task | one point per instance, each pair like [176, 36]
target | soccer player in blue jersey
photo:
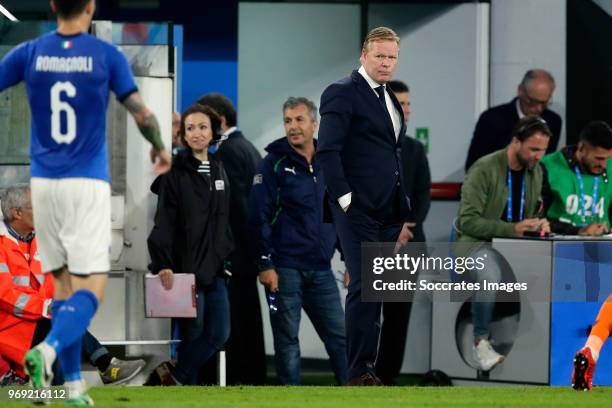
[68, 75]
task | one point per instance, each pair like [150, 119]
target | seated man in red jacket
[26, 295]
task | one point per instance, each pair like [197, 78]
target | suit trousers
[396, 316]
[362, 319]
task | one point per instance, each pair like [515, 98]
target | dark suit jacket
[357, 149]
[494, 131]
[417, 178]
[240, 160]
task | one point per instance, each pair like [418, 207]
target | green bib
[566, 205]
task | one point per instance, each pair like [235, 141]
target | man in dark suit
[360, 136]
[246, 362]
[417, 182]
[494, 128]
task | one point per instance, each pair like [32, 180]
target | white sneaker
[485, 356]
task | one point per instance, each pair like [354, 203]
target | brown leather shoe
[365, 380]
[163, 370]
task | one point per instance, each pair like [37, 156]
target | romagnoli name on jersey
[64, 64]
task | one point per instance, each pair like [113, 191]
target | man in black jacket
[417, 180]
[246, 359]
[494, 127]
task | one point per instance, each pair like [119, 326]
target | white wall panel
[444, 60]
[528, 34]
[284, 50]
[290, 50]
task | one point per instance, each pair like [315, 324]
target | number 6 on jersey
[57, 107]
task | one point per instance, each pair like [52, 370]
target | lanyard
[509, 212]
[595, 195]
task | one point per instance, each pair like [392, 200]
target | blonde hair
[380, 34]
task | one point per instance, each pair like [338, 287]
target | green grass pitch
[338, 397]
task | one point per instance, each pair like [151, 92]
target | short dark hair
[528, 126]
[398, 86]
[293, 102]
[215, 121]
[222, 105]
[597, 133]
[69, 8]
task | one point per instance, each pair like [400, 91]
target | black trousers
[396, 317]
[362, 319]
[246, 354]
[245, 351]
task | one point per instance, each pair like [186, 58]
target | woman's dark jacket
[192, 232]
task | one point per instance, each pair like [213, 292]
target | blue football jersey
[68, 79]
